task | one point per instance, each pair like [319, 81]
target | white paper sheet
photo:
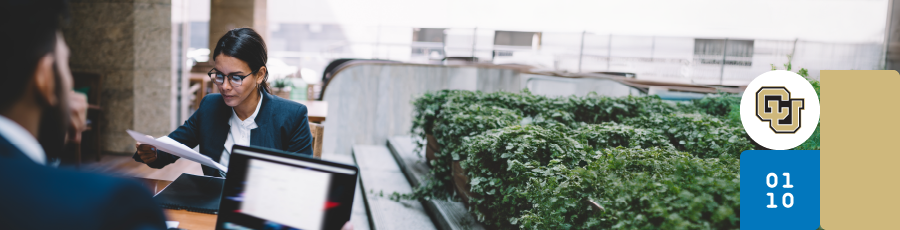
[171, 146]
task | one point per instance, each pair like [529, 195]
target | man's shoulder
[71, 198]
[81, 187]
[107, 186]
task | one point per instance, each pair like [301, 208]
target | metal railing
[648, 57]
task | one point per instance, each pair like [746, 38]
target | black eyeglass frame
[213, 73]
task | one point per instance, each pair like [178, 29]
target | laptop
[272, 189]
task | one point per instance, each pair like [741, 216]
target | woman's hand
[146, 152]
[78, 107]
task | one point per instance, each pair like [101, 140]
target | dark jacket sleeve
[186, 134]
[129, 205]
[300, 138]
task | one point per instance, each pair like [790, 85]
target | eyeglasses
[219, 78]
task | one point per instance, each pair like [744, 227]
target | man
[34, 113]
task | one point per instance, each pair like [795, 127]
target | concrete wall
[561, 87]
[229, 14]
[371, 102]
[892, 36]
[368, 103]
[128, 42]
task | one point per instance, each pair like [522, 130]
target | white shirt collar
[250, 122]
[22, 139]
[239, 132]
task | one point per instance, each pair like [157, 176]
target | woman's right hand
[146, 152]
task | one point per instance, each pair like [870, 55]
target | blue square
[790, 203]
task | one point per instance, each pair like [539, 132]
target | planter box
[431, 147]
[461, 183]
[460, 179]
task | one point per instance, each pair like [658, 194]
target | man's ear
[45, 81]
[262, 75]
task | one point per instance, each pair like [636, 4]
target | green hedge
[653, 188]
[534, 161]
[700, 134]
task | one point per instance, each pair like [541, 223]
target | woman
[242, 113]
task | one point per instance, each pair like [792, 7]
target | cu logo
[775, 105]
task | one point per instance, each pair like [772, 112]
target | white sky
[819, 20]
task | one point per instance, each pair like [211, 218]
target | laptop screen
[270, 190]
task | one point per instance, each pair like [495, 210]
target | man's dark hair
[29, 33]
[245, 44]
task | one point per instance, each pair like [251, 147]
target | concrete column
[229, 14]
[892, 37]
[128, 42]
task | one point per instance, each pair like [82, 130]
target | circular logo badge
[780, 110]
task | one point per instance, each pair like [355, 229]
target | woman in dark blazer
[242, 113]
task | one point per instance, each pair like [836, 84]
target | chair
[317, 132]
[91, 141]
[203, 86]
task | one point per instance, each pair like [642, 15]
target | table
[316, 110]
[187, 219]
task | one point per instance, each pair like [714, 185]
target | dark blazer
[282, 124]
[40, 197]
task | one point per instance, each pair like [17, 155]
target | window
[513, 38]
[428, 43]
[712, 51]
[428, 35]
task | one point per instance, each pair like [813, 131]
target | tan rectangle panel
[860, 162]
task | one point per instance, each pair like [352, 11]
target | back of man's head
[29, 30]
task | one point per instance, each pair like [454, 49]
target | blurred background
[358, 63]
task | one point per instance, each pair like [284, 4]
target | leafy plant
[702, 135]
[461, 120]
[502, 161]
[534, 161]
[282, 83]
[652, 188]
[718, 104]
[813, 142]
[611, 134]
[597, 109]
[453, 115]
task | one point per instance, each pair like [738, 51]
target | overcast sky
[814, 20]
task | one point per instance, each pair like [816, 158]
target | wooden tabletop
[317, 110]
[187, 219]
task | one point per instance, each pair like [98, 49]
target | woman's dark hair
[245, 44]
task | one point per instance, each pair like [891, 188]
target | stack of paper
[171, 146]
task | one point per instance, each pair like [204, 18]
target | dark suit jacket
[40, 197]
[282, 124]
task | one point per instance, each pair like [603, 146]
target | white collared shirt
[22, 139]
[239, 133]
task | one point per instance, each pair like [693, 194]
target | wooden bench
[379, 178]
[447, 215]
